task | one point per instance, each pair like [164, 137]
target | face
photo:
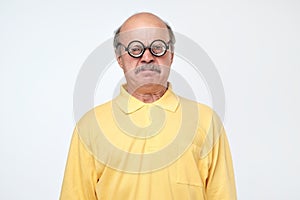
[153, 66]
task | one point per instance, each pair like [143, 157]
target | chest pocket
[187, 169]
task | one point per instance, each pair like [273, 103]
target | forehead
[145, 35]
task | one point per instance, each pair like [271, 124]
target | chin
[152, 84]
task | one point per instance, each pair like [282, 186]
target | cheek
[128, 63]
[167, 61]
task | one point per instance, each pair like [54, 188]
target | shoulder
[89, 126]
[202, 109]
[92, 116]
[209, 124]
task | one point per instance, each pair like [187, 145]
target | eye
[158, 47]
[135, 48]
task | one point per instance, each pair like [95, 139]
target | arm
[215, 164]
[80, 174]
[220, 183]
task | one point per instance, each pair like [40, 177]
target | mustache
[149, 67]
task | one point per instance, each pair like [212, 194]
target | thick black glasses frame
[144, 48]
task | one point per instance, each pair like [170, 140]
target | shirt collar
[129, 104]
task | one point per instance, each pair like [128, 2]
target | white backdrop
[254, 44]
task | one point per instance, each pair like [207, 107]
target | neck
[148, 93]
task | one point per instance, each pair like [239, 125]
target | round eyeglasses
[136, 48]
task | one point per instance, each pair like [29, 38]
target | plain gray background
[255, 47]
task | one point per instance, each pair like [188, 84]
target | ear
[172, 56]
[120, 62]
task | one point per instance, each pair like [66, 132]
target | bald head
[142, 20]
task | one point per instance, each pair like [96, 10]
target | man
[148, 143]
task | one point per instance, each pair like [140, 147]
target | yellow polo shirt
[173, 148]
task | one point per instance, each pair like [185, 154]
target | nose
[147, 57]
